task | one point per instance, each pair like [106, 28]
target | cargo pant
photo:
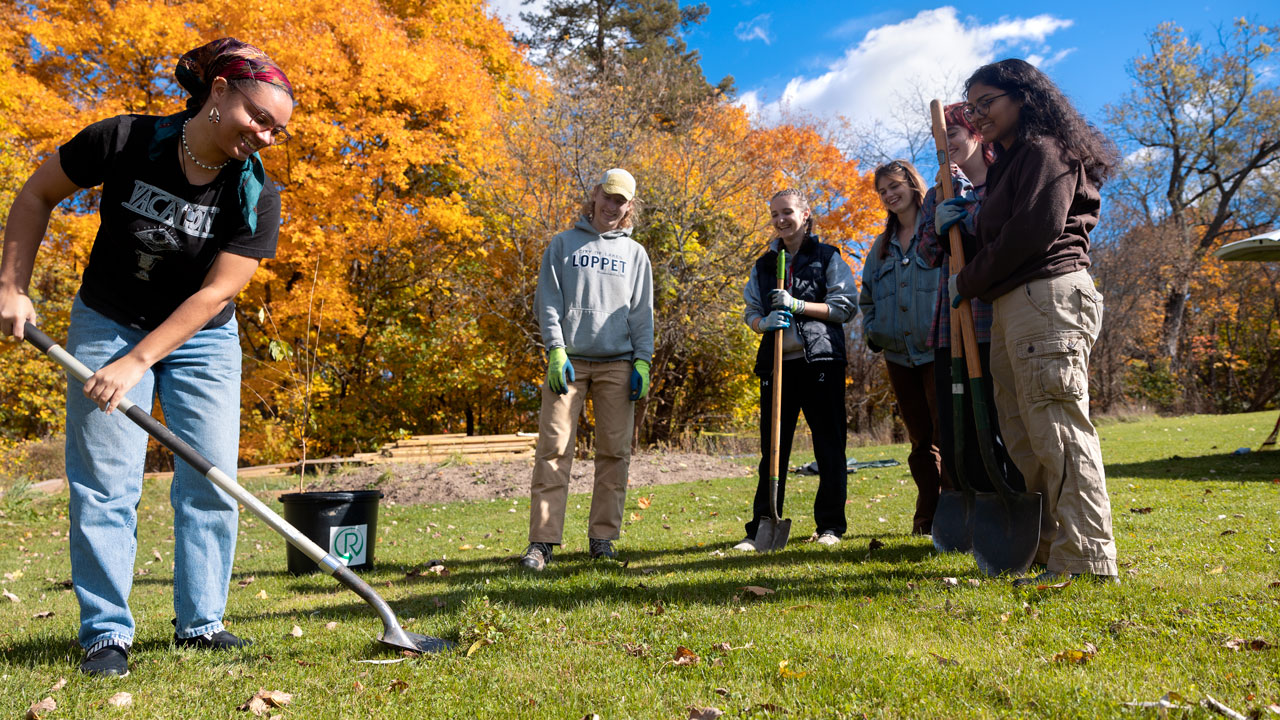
[609, 385]
[1041, 338]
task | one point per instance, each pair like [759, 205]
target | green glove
[559, 371]
[639, 379]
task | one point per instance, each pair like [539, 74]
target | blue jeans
[199, 390]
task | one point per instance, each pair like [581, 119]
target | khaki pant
[1041, 337]
[609, 384]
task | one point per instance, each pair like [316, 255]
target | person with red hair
[970, 156]
[187, 214]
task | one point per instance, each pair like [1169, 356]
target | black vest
[822, 340]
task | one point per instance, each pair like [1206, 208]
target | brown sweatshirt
[1035, 221]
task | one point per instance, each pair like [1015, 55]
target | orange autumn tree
[350, 333]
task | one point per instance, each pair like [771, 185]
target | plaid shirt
[934, 252]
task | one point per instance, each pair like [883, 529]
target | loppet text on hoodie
[595, 295]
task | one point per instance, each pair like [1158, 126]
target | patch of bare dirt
[423, 483]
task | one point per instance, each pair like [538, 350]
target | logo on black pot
[348, 543]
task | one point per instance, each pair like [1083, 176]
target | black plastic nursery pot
[344, 523]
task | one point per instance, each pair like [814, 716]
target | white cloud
[508, 11]
[757, 28]
[924, 56]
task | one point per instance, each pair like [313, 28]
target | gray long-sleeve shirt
[595, 295]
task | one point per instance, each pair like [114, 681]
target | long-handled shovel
[953, 519]
[392, 633]
[772, 530]
[1006, 523]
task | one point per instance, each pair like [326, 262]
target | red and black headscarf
[228, 58]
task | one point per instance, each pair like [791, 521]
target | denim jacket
[897, 301]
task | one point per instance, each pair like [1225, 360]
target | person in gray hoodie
[595, 312]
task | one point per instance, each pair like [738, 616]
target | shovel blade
[772, 534]
[953, 522]
[1006, 531]
[398, 637]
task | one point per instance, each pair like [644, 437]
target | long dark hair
[1046, 112]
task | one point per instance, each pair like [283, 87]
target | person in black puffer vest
[811, 312]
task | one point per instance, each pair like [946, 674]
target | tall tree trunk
[1175, 309]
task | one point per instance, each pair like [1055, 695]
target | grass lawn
[845, 632]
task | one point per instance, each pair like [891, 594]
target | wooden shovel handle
[775, 416]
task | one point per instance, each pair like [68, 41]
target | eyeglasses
[262, 119]
[973, 111]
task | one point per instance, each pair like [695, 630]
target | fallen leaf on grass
[1224, 533]
[475, 646]
[247, 581]
[726, 647]
[1055, 586]
[786, 672]
[874, 545]
[707, 713]
[120, 699]
[62, 682]
[1077, 657]
[1141, 510]
[1242, 644]
[944, 660]
[1216, 571]
[757, 590]
[38, 710]
[684, 656]
[644, 501]
[330, 625]
[11, 576]
[156, 554]
[11, 597]
[464, 547]
[296, 631]
[264, 700]
[262, 595]
[398, 685]
[722, 692]
[950, 582]
[43, 614]
[637, 650]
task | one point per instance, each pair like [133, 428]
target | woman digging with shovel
[187, 213]
[1033, 235]
[805, 309]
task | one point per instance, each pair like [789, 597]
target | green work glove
[559, 371]
[639, 379]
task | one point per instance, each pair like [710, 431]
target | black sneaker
[109, 660]
[536, 556]
[601, 549]
[221, 640]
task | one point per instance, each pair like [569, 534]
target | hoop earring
[215, 117]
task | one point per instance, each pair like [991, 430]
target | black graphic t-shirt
[160, 234]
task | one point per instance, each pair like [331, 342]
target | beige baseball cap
[618, 182]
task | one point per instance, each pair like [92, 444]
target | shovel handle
[775, 414]
[182, 449]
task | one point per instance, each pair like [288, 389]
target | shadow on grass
[1219, 467]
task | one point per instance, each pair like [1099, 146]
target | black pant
[818, 390]
[975, 472]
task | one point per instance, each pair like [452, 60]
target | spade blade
[953, 522]
[1006, 531]
[772, 534]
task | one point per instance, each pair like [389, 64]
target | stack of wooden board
[433, 448]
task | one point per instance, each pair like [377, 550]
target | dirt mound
[423, 483]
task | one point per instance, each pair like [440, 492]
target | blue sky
[858, 60]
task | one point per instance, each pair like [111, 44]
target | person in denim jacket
[899, 289]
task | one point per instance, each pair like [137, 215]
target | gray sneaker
[536, 556]
[601, 549]
[106, 661]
